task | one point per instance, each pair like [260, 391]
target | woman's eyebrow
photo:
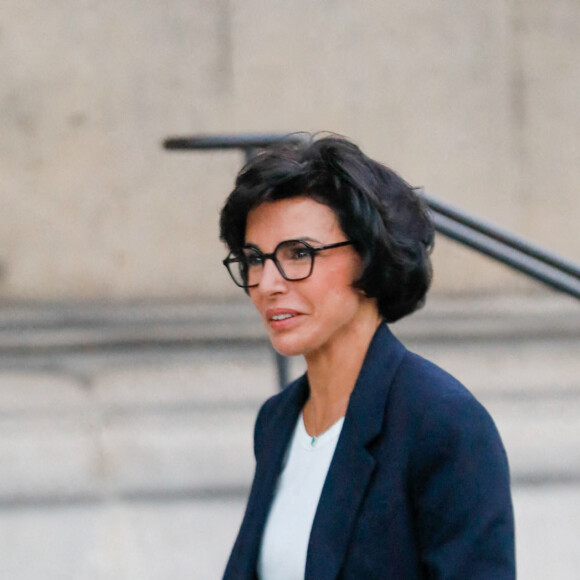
[309, 239]
[252, 246]
[297, 238]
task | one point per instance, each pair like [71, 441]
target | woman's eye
[254, 259]
[299, 253]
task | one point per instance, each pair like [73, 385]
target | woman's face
[314, 315]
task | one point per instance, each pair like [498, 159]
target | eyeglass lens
[293, 259]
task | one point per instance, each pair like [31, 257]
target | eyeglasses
[293, 258]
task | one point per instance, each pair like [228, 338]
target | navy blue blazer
[418, 487]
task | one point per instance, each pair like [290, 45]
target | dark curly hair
[387, 222]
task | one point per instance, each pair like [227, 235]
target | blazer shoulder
[429, 387]
[438, 405]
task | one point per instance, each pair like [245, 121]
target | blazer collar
[352, 464]
[368, 400]
[366, 407]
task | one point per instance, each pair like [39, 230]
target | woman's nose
[272, 281]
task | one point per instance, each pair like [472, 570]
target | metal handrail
[245, 141]
[494, 232]
[488, 239]
[526, 263]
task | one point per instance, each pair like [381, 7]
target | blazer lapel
[352, 464]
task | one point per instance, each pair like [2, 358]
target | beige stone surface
[475, 101]
[548, 525]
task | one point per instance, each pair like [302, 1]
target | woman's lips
[280, 318]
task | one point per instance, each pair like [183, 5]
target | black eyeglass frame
[234, 257]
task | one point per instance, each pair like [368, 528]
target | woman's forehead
[293, 218]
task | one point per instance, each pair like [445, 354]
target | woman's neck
[332, 375]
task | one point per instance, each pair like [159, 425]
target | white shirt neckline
[285, 539]
[309, 442]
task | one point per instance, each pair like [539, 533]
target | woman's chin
[287, 351]
[286, 347]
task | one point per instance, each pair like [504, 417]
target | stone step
[137, 425]
[71, 459]
[185, 538]
[28, 329]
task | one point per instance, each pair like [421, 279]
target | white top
[287, 531]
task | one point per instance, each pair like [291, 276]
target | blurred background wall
[128, 386]
[478, 102]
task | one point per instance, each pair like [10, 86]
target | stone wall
[476, 101]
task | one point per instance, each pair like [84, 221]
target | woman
[375, 463]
